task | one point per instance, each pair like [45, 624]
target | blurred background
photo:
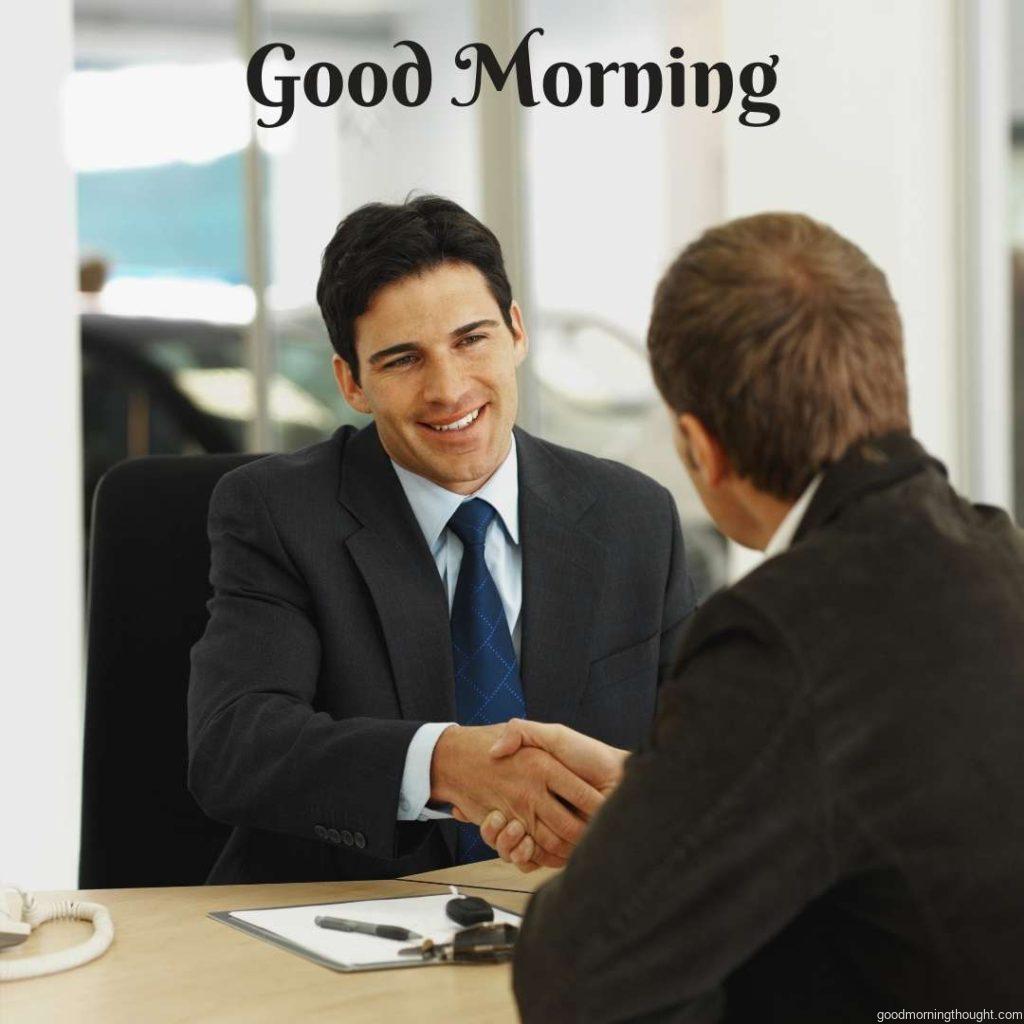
[162, 254]
[199, 240]
[199, 243]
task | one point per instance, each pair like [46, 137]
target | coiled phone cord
[36, 913]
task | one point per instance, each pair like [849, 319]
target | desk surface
[169, 962]
[489, 874]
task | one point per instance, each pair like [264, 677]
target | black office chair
[148, 588]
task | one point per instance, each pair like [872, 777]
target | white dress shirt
[433, 506]
[786, 530]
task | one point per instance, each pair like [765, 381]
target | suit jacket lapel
[562, 570]
[392, 555]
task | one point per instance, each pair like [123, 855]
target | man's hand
[595, 762]
[527, 785]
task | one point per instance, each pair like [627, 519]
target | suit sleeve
[680, 598]
[716, 838]
[260, 755]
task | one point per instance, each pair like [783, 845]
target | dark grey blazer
[329, 644]
[830, 821]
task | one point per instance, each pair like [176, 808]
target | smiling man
[384, 600]
[443, 394]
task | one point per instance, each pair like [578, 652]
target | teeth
[461, 424]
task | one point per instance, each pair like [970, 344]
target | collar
[867, 466]
[433, 505]
[786, 530]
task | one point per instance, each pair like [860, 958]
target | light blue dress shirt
[433, 506]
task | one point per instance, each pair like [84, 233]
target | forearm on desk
[271, 764]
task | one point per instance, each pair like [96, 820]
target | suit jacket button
[332, 834]
[360, 840]
[321, 832]
[346, 837]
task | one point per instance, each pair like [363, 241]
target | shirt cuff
[415, 791]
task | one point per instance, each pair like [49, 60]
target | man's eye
[471, 339]
[400, 361]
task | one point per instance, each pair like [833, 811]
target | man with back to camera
[829, 822]
[436, 567]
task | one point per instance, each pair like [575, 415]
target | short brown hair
[783, 339]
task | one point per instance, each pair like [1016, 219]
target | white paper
[422, 914]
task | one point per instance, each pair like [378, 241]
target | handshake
[530, 786]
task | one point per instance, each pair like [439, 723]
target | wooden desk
[489, 874]
[169, 962]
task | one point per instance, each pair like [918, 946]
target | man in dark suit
[385, 599]
[828, 824]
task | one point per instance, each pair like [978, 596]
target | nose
[444, 384]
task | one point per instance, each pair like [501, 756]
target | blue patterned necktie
[487, 685]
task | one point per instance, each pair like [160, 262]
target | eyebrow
[411, 346]
[392, 350]
[475, 325]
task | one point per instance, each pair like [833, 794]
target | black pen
[382, 931]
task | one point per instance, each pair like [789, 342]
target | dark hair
[383, 242]
[782, 338]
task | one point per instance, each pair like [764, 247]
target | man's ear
[349, 386]
[520, 340]
[702, 451]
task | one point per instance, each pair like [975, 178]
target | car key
[425, 950]
[467, 911]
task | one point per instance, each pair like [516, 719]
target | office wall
[867, 142]
[40, 514]
[1015, 12]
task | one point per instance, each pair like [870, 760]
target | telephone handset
[21, 913]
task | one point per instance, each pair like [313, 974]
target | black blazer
[329, 644]
[830, 820]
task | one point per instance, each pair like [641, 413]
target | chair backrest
[147, 594]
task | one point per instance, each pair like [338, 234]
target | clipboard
[291, 928]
